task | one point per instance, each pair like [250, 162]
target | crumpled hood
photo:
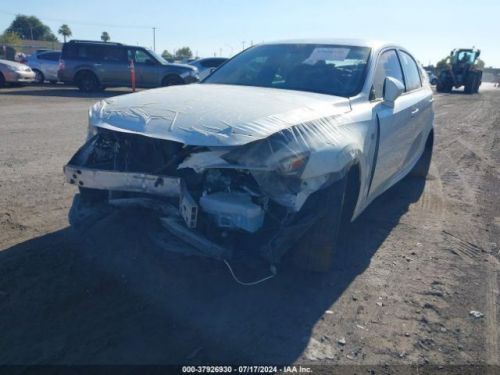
[213, 115]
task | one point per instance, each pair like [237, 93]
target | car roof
[374, 44]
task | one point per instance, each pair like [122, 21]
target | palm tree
[105, 36]
[65, 31]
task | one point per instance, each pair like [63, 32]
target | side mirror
[393, 88]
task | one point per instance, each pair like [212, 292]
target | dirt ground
[401, 292]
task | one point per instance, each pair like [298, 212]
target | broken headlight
[293, 165]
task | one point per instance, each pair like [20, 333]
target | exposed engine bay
[216, 200]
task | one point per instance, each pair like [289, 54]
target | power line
[73, 22]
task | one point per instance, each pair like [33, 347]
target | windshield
[158, 57]
[326, 69]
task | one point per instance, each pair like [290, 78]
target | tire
[478, 83]
[172, 80]
[87, 81]
[421, 168]
[315, 251]
[88, 208]
[53, 82]
[443, 87]
[39, 77]
[2, 80]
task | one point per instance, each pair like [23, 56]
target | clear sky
[430, 29]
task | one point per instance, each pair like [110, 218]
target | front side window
[321, 68]
[411, 71]
[140, 57]
[387, 66]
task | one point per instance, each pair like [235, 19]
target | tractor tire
[87, 81]
[443, 87]
[315, 251]
[478, 83]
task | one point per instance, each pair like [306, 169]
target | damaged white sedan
[273, 151]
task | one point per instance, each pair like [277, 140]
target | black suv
[93, 66]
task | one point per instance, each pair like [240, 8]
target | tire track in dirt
[463, 153]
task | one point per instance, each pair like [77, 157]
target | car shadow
[119, 300]
[61, 91]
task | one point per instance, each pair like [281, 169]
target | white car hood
[213, 115]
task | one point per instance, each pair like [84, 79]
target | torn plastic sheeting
[318, 143]
[214, 115]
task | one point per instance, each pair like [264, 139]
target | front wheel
[315, 251]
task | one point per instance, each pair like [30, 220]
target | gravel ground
[423, 256]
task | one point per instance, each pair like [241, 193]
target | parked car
[274, 151]
[432, 77]
[45, 65]
[95, 65]
[15, 73]
[206, 65]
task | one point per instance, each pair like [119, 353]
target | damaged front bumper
[214, 202]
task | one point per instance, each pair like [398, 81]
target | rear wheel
[421, 169]
[39, 77]
[315, 251]
[172, 80]
[2, 80]
[87, 81]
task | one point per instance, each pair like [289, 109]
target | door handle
[414, 112]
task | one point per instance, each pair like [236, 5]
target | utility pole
[154, 39]
[243, 45]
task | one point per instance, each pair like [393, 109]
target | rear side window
[387, 66]
[411, 71]
[51, 56]
[114, 54]
[83, 52]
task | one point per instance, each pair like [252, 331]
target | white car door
[421, 113]
[394, 124]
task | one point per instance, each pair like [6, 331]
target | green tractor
[461, 70]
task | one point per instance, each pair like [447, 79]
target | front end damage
[222, 181]
[217, 201]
